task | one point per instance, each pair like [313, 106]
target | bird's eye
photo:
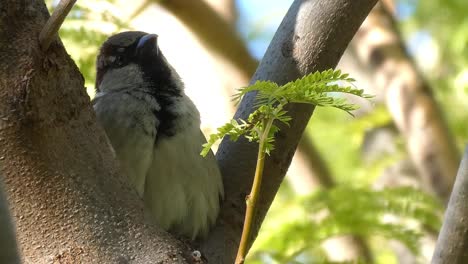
[111, 59]
[114, 60]
[118, 60]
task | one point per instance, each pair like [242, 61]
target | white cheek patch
[124, 77]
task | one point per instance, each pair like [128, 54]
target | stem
[252, 198]
[52, 25]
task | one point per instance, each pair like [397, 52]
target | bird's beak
[148, 45]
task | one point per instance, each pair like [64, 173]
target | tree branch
[452, 244]
[224, 31]
[316, 165]
[53, 24]
[214, 31]
[312, 36]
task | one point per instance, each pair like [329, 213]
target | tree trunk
[409, 100]
[68, 201]
[312, 37]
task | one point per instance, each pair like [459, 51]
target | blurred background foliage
[436, 35]
[296, 228]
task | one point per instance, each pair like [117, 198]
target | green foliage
[400, 213]
[233, 129]
[310, 89]
[270, 101]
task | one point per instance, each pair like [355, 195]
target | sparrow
[154, 129]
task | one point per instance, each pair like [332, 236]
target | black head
[133, 58]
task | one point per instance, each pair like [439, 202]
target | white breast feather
[183, 188]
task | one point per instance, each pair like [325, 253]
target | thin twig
[252, 199]
[250, 210]
[54, 23]
[213, 31]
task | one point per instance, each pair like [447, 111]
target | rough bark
[69, 202]
[312, 36]
[452, 244]
[8, 248]
[409, 100]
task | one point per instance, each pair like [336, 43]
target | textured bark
[312, 36]
[68, 201]
[8, 248]
[452, 244]
[409, 100]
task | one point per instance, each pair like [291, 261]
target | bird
[154, 130]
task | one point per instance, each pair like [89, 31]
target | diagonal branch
[219, 30]
[214, 31]
[54, 23]
[452, 244]
[312, 36]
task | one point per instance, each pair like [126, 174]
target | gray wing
[130, 126]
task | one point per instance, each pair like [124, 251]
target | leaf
[317, 88]
[233, 129]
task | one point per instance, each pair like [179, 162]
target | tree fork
[312, 37]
